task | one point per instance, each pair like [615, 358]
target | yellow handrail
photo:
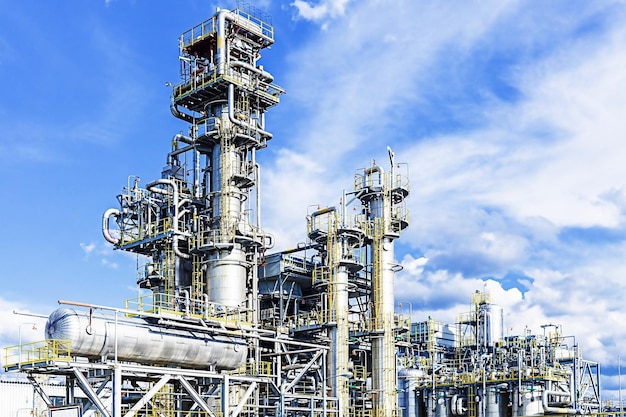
[43, 352]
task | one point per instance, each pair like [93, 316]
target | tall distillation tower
[199, 234]
[357, 276]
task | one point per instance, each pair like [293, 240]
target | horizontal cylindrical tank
[93, 335]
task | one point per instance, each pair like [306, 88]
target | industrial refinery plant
[224, 326]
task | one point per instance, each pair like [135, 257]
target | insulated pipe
[186, 299]
[181, 150]
[233, 120]
[264, 75]
[392, 160]
[556, 410]
[105, 225]
[257, 180]
[323, 211]
[373, 169]
[196, 172]
[182, 138]
[254, 295]
[152, 187]
[180, 115]
[220, 55]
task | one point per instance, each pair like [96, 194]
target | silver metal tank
[408, 381]
[496, 401]
[491, 324]
[94, 336]
[441, 407]
[527, 401]
[226, 277]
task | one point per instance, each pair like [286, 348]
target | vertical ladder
[471, 401]
[169, 278]
[227, 229]
[197, 283]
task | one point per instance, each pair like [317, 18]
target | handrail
[42, 352]
[177, 305]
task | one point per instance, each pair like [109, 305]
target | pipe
[175, 238]
[233, 120]
[105, 225]
[220, 55]
[180, 115]
[181, 150]
[373, 169]
[182, 138]
[556, 410]
[196, 173]
[257, 180]
[300, 248]
[186, 300]
[323, 211]
[264, 75]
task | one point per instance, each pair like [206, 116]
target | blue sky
[510, 115]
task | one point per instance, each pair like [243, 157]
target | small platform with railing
[37, 354]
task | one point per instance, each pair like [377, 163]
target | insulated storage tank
[95, 335]
[527, 402]
[491, 324]
[408, 380]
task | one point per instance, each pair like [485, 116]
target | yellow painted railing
[146, 231]
[160, 303]
[36, 353]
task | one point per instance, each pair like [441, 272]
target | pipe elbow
[106, 232]
[269, 241]
[177, 250]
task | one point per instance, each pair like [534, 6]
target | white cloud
[580, 95]
[109, 264]
[87, 247]
[502, 246]
[14, 327]
[357, 84]
[443, 295]
[322, 10]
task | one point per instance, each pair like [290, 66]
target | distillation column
[199, 223]
[381, 194]
[224, 95]
[339, 240]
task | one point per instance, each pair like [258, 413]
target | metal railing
[160, 303]
[43, 352]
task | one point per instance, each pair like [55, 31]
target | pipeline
[176, 237]
[233, 120]
[264, 75]
[556, 410]
[105, 225]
